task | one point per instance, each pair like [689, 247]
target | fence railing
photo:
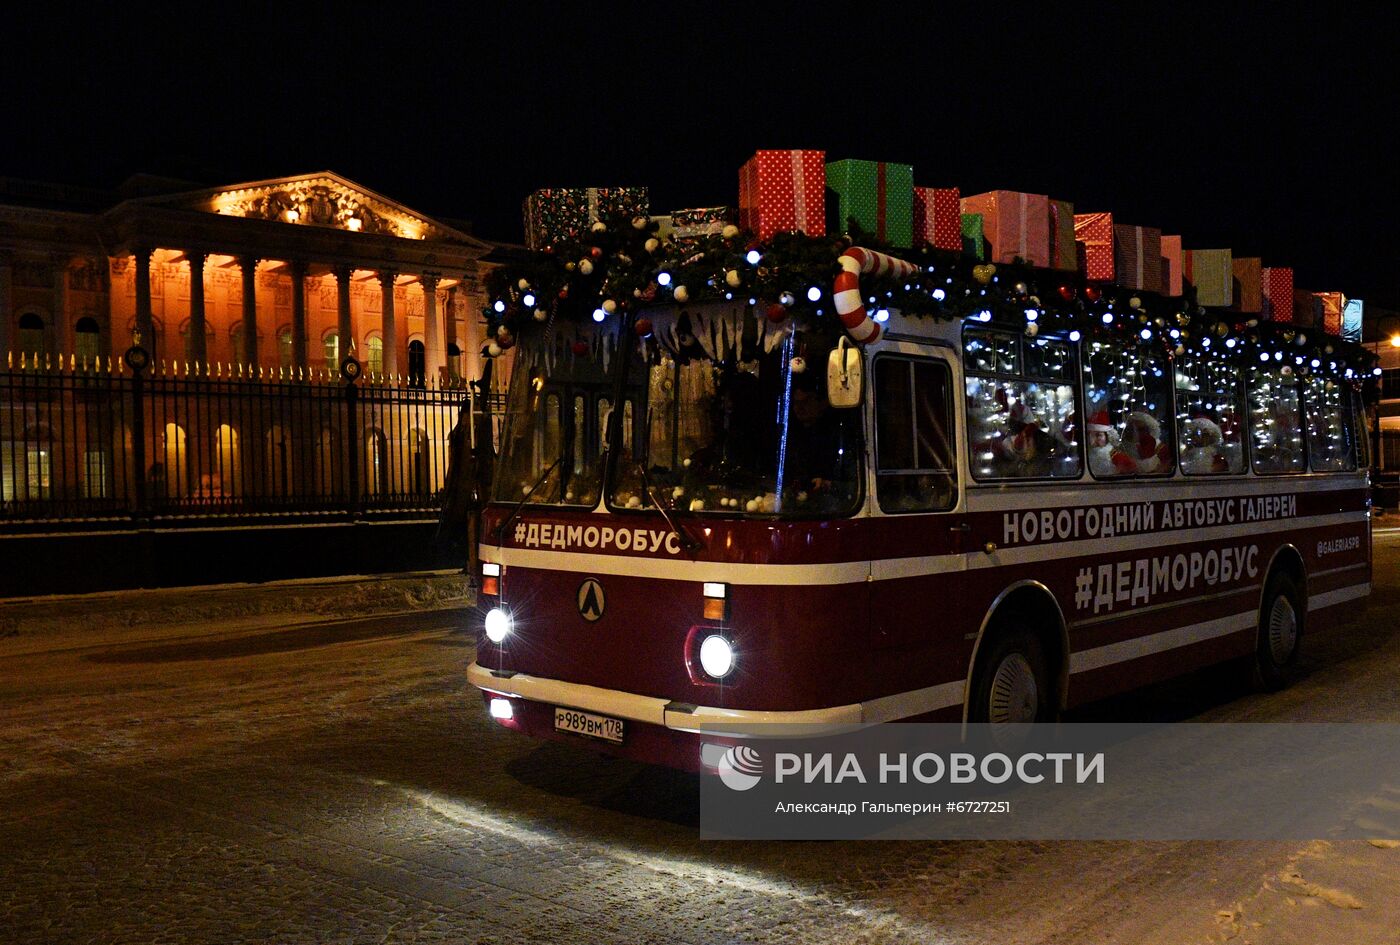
[106, 444]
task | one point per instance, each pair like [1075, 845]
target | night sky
[1270, 133]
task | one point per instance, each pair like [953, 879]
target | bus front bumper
[660, 730]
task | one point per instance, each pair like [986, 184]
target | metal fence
[106, 444]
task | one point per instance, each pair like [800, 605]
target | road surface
[261, 781]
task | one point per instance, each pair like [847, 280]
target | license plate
[585, 723]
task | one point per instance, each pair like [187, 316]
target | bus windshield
[737, 424]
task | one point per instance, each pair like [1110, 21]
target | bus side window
[1020, 406]
[1128, 401]
[1331, 434]
[1209, 405]
[1275, 422]
[914, 469]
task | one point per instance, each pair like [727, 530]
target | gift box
[700, 221]
[877, 195]
[1246, 284]
[1307, 309]
[1351, 319]
[937, 218]
[974, 244]
[1137, 257]
[1015, 225]
[1330, 315]
[783, 191]
[557, 215]
[1094, 234]
[1212, 276]
[1276, 294]
[1063, 254]
[1171, 265]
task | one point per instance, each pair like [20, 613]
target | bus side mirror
[844, 375]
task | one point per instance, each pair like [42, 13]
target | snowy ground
[272, 775]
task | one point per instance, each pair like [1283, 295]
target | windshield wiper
[501, 529]
[689, 543]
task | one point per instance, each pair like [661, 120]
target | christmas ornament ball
[799, 364]
[643, 327]
[595, 252]
[682, 294]
[610, 306]
[639, 222]
[1135, 302]
[493, 350]
[653, 244]
[523, 284]
[1092, 293]
[1067, 293]
[585, 266]
[541, 315]
[733, 279]
[1032, 329]
[729, 232]
[599, 227]
[776, 312]
[787, 299]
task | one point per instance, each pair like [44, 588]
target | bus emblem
[591, 600]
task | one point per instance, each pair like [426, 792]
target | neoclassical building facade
[282, 276]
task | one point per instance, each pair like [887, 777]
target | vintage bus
[722, 526]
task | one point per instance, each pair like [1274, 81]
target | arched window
[376, 463]
[187, 343]
[86, 338]
[330, 344]
[374, 351]
[417, 363]
[31, 335]
[454, 361]
[235, 343]
[284, 347]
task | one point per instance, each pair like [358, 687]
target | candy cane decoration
[846, 291]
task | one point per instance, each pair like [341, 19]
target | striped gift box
[1094, 232]
[1171, 265]
[937, 218]
[1016, 225]
[783, 192]
[1246, 283]
[1137, 257]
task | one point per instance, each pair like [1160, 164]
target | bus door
[916, 499]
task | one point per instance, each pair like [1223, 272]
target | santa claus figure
[1021, 444]
[1142, 450]
[1103, 443]
[1201, 454]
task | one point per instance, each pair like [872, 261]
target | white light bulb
[814, 294]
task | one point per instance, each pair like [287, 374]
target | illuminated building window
[374, 348]
[284, 347]
[85, 341]
[330, 344]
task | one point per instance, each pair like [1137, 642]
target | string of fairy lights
[621, 267]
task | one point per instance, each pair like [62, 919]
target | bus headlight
[498, 624]
[716, 656]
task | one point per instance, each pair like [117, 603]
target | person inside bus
[1025, 451]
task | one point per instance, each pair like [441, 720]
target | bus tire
[1280, 636]
[1012, 683]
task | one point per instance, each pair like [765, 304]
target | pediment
[324, 199]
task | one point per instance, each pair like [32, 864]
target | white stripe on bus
[854, 572]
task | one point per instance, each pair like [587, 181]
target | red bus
[726, 524]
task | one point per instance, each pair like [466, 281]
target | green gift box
[973, 240]
[877, 195]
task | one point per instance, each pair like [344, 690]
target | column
[450, 321]
[145, 323]
[388, 329]
[298, 313]
[434, 354]
[342, 312]
[199, 340]
[7, 306]
[62, 327]
[249, 354]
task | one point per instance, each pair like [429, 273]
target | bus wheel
[1280, 633]
[1012, 683]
